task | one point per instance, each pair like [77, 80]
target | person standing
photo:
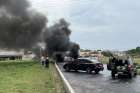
[66, 58]
[43, 60]
[47, 62]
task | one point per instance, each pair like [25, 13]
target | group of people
[45, 61]
[114, 61]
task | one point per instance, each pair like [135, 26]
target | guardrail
[67, 86]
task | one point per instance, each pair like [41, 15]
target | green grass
[138, 71]
[137, 60]
[26, 77]
[105, 60]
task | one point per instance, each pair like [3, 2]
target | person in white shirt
[42, 60]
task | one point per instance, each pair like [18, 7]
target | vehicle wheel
[113, 74]
[135, 74]
[96, 71]
[88, 70]
[119, 76]
[67, 68]
[76, 70]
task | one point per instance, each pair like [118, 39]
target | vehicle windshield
[93, 59]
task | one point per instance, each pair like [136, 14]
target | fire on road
[101, 83]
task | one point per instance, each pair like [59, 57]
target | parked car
[84, 64]
[122, 67]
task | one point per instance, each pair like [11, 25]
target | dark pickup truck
[84, 64]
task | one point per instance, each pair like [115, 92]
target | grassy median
[28, 77]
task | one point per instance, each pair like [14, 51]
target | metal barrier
[67, 86]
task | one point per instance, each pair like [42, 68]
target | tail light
[129, 67]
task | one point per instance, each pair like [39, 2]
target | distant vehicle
[122, 67]
[84, 64]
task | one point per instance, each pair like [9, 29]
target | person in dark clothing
[47, 62]
[114, 63]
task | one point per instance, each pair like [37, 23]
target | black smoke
[19, 26]
[74, 50]
[22, 28]
[57, 39]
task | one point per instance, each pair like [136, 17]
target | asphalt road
[100, 83]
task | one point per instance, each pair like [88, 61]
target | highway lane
[100, 83]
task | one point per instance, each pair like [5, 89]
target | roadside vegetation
[28, 77]
[134, 52]
[105, 60]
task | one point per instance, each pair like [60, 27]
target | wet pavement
[101, 83]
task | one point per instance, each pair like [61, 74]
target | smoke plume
[22, 28]
[57, 39]
[19, 27]
[74, 50]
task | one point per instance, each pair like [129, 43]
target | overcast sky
[97, 24]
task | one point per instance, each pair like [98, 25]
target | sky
[96, 24]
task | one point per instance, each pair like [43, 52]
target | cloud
[108, 23]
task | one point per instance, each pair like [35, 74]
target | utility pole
[40, 52]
